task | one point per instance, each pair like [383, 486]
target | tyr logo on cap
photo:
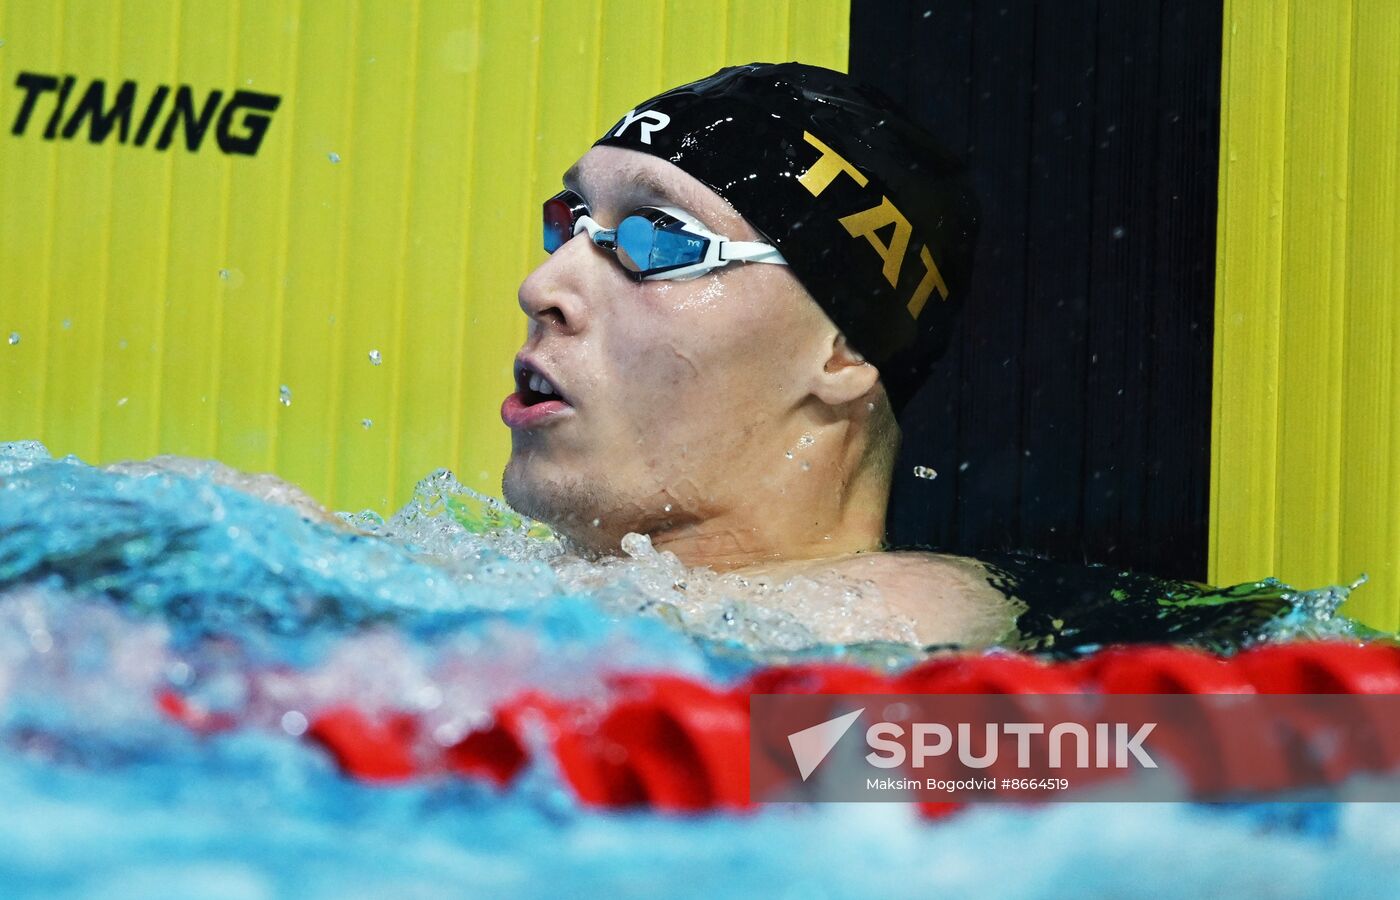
[659, 119]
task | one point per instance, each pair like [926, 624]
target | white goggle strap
[727, 250]
[750, 251]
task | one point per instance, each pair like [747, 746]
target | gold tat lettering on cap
[932, 279]
[824, 171]
[867, 222]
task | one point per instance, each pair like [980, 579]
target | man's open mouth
[534, 387]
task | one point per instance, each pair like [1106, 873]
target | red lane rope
[673, 743]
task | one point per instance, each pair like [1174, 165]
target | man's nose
[553, 295]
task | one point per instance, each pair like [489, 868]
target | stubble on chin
[569, 505]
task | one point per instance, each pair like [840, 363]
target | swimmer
[748, 277]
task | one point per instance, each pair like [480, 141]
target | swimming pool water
[115, 585]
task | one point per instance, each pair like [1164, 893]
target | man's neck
[810, 515]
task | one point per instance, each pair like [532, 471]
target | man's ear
[846, 377]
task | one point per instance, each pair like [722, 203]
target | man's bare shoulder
[950, 598]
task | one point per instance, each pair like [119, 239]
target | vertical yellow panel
[249, 273]
[1306, 397]
[317, 114]
[378, 165]
[163, 297]
[429, 365]
[819, 34]
[704, 47]
[626, 76]
[82, 264]
[28, 184]
[1313, 265]
[1370, 538]
[757, 32]
[137, 236]
[196, 297]
[1247, 286]
[499, 220]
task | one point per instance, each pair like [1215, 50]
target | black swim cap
[874, 217]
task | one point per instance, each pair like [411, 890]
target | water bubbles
[41, 640]
[963, 466]
[179, 672]
[925, 472]
[294, 723]
[14, 338]
[333, 156]
[67, 324]
[234, 277]
[284, 395]
[375, 358]
[367, 424]
[1118, 232]
[121, 401]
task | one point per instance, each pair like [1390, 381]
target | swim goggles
[653, 242]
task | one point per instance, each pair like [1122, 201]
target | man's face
[677, 394]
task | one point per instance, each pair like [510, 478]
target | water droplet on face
[333, 157]
[597, 522]
[806, 466]
[284, 395]
[925, 472]
[375, 358]
[367, 423]
[806, 440]
[788, 454]
[667, 507]
[14, 338]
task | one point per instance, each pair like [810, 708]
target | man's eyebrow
[644, 183]
[648, 184]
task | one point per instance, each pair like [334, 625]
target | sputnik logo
[811, 745]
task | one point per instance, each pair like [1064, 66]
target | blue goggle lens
[644, 245]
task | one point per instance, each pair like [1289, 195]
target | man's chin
[561, 502]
